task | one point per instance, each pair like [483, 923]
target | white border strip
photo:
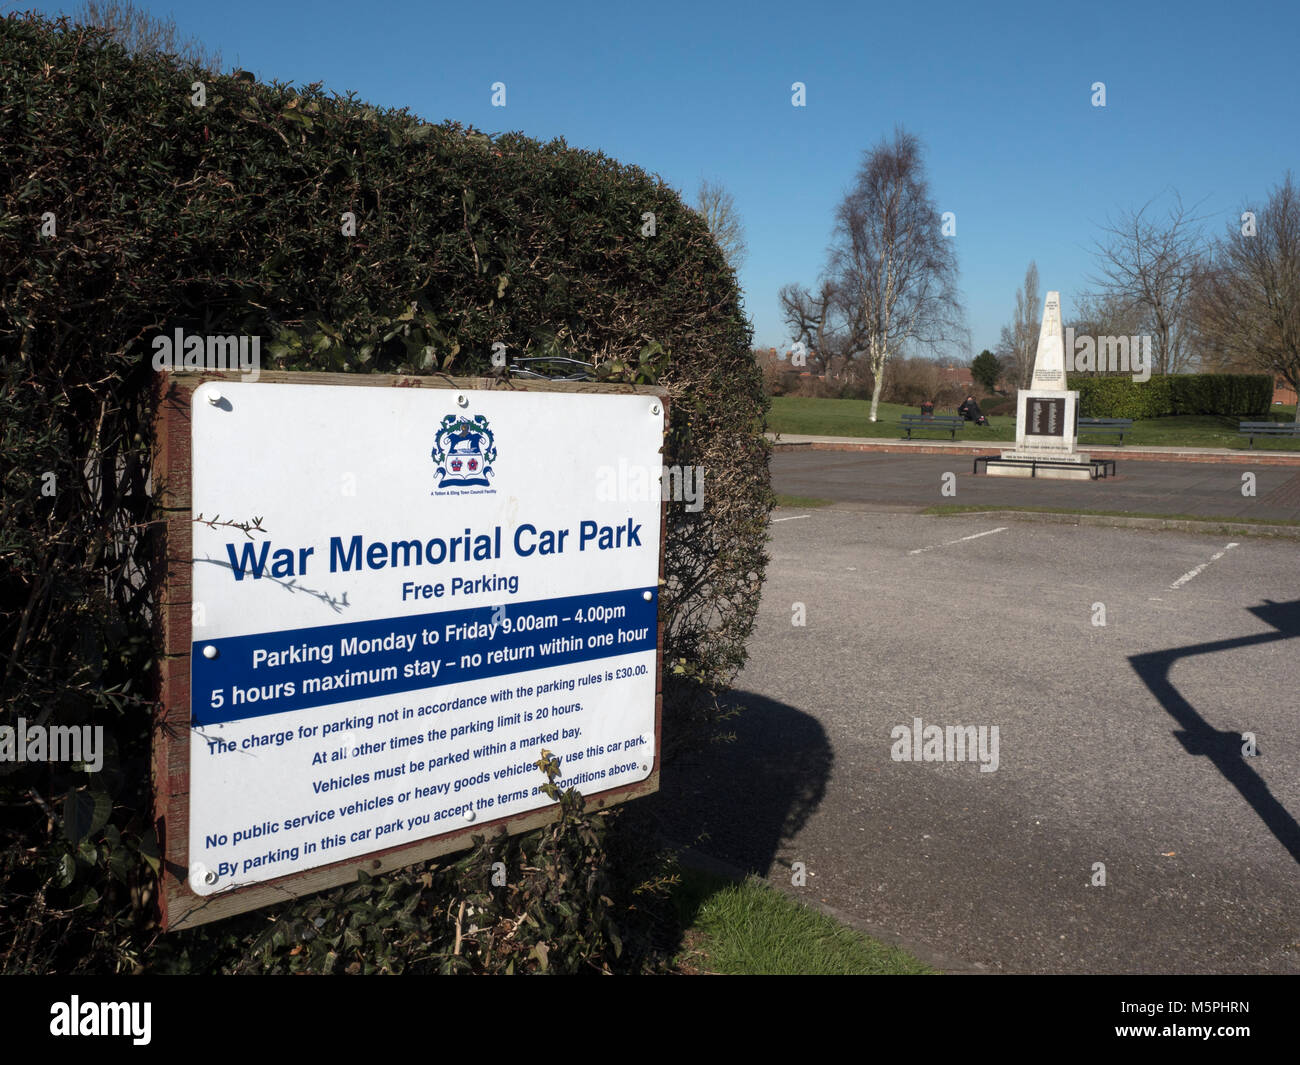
[976, 536]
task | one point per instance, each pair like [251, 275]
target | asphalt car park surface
[1123, 828]
[1207, 489]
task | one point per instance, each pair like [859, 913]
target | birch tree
[718, 208]
[140, 32]
[893, 269]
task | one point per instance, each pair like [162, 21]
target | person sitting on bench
[927, 408]
[970, 410]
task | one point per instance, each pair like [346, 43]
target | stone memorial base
[1045, 440]
[1035, 462]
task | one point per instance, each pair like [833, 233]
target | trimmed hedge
[228, 219]
[1228, 394]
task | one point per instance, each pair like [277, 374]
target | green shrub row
[1229, 394]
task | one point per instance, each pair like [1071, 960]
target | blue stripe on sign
[290, 673]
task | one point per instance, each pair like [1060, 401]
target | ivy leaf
[67, 870]
[85, 812]
[117, 865]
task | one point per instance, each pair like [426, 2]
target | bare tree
[718, 209]
[811, 318]
[1249, 305]
[139, 32]
[1214, 354]
[1102, 314]
[894, 272]
[1018, 345]
[1153, 266]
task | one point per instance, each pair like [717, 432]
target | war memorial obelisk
[1046, 414]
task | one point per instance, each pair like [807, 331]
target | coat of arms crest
[464, 451]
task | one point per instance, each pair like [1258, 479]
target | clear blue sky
[1202, 97]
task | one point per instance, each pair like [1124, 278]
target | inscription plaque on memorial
[1046, 417]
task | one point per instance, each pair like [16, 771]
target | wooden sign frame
[173, 617]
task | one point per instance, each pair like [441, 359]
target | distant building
[956, 376]
[836, 372]
[1283, 393]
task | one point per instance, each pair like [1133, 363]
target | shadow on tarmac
[740, 802]
[1224, 749]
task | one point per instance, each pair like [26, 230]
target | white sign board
[443, 584]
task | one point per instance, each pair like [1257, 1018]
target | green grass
[750, 929]
[802, 502]
[848, 417]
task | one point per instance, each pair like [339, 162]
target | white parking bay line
[1193, 572]
[976, 536]
[795, 517]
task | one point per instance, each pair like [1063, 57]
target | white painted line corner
[1193, 572]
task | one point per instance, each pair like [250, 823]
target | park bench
[949, 423]
[1111, 426]
[1254, 429]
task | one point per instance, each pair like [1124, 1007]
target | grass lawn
[751, 929]
[802, 502]
[848, 417]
